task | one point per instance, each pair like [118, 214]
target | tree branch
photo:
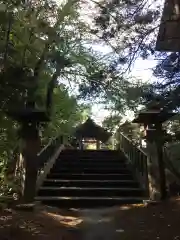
[7, 39]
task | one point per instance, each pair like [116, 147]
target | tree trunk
[12, 163]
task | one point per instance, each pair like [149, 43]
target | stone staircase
[90, 178]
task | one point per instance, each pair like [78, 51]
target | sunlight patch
[119, 230]
[65, 220]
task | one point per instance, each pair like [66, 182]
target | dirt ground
[141, 222]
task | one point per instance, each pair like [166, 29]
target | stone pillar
[156, 170]
[153, 172]
[98, 144]
[31, 147]
[81, 144]
[161, 164]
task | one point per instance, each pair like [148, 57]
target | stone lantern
[29, 118]
[152, 120]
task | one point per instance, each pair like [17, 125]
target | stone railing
[48, 155]
[137, 158]
[47, 152]
[46, 159]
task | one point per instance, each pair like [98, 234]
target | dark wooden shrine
[90, 130]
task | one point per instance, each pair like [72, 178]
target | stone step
[93, 155]
[87, 202]
[90, 176]
[91, 152]
[95, 160]
[90, 161]
[90, 183]
[90, 164]
[90, 170]
[97, 156]
[87, 191]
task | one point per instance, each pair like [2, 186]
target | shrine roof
[91, 130]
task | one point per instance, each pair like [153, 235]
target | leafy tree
[37, 51]
[166, 89]
[66, 113]
[129, 28]
[40, 42]
[111, 122]
[132, 131]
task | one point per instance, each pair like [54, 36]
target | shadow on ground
[43, 223]
[142, 222]
[151, 222]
